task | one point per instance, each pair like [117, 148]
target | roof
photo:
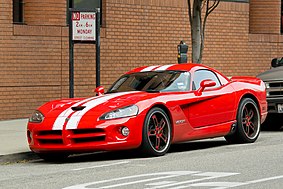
[180, 67]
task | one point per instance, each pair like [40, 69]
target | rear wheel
[248, 123]
[156, 133]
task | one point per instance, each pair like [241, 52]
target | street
[198, 164]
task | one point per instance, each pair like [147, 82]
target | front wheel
[156, 137]
[248, 123]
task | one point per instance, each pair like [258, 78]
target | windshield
[164, 81]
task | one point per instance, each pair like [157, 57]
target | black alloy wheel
[248, 123]
[156, 133]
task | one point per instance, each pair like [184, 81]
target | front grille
[274, 89]
[87, 135]
[66, 137]
[49, 137]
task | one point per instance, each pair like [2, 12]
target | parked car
[150, 108]
[273, 79]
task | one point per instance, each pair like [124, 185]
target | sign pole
[71, 58]
[97, 43]
[84, 27]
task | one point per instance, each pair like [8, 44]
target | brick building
[242, 38]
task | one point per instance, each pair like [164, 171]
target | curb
[18, 157]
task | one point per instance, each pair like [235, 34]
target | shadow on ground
[134, 154]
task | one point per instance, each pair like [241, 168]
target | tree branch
[213, 6]
[190, 12]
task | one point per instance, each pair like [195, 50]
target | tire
[157, 135]
[248, 123]
[53, 157]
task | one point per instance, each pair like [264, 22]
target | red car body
[196, 113]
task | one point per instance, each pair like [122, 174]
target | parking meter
[182, 52]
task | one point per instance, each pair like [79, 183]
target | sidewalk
[13, 145]
[13, 136]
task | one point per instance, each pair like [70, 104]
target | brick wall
[34, 57]
[265, 16]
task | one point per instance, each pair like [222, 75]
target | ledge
[266, 38]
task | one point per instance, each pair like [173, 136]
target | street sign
[84, 26]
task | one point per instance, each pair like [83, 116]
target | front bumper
[273, 104]
[102, 136]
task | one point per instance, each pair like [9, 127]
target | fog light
[125, 131]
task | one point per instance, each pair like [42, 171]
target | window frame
[218, 82]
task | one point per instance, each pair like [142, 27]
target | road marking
[164, 180]
[104, 165]
[160, 183]
[224, 185]
[161, 176]
[207, 176]
[219, 185]
[260, 180]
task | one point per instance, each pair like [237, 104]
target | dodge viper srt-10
[149, 108]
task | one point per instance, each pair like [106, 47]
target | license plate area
[280, 108]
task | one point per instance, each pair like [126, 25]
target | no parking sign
[83, 26]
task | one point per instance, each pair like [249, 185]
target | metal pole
[97, 42]
[71, 58]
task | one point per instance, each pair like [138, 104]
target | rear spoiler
[246, 79]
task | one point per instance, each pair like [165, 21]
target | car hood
[274, 74]
[97, 105]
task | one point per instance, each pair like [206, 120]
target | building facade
[241, 39]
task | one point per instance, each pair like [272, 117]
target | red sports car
[150, 108]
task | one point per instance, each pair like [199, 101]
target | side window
[201, 75]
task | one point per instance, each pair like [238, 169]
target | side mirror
[276, 62]
[204, 84]
[99, 91]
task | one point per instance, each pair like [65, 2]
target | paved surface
[202, 164]
[13, 136]
[13, 145]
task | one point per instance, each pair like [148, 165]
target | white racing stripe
[150, 68]
[161, 68]
[76, 117]
[59, 122]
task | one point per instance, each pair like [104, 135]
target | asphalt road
[200, 164]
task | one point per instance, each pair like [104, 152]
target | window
[18, 11]
[165, 81]
[201, 75]
[86, 4]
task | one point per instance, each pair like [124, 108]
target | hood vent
[78, 108]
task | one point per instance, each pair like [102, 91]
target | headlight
[36, 117]
[267, 85]
[121, 112]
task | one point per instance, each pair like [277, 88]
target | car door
[215, 105]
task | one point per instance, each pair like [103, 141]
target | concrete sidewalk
[14, 145]
[13, 136]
